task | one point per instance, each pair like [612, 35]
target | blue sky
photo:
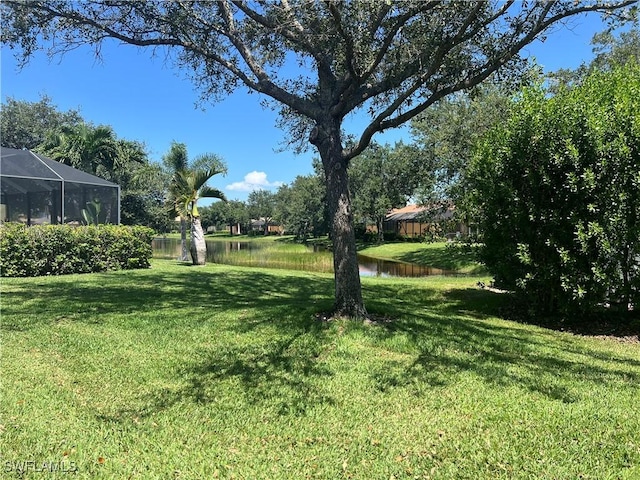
[144, 99]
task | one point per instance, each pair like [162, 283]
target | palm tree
[84, 147]
[175, 161]
[187, 187]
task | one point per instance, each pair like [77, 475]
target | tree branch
[379, 123]
[388, 39]
[298, 36]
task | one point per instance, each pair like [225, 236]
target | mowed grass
[441, 255]
[181, 372]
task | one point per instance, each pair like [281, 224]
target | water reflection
[223, 252]
[375, 267]
[169, 248]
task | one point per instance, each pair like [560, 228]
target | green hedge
[557, 186]
[63, 249]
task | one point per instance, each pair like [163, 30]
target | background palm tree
[176, 160]
[187, 187]
[84, 147]
[98, 151]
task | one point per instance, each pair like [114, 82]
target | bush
[558, 188]
[63, 249]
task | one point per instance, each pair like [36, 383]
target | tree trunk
[183, 240]
[348, 290]
[198, 244]
[625, 265]
[380, 226]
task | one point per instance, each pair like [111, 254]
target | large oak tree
[389, 59]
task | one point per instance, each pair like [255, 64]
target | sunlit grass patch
[441, 255]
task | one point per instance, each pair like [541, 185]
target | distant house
[236, 229]
[257, 225]
[419, 220]
[38, 190]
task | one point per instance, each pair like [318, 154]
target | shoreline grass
[441, 255]
[224, 372]
[450, 257]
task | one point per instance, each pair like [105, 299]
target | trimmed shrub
[558, 188]
[63, 249]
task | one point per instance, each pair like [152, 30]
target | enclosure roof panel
[23, 163]
[27, 164]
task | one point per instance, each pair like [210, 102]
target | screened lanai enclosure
[37, 190]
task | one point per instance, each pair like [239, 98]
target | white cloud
[253, 181]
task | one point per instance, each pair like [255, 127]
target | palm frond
[199, 178]
[209, 161]
[176, 159]
[181, 205]
[187, 186]
[180, 182]
[180, 194]
[210, 192]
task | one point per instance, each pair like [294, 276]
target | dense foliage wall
[63, 249]
[558, 191]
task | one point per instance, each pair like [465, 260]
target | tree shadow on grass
[280, 378]
[287, 374]
[278, 362]
[447, 333]
[456, 333]
[603, 322]
[195, 291]
[275, 360]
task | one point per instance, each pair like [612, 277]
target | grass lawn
[181, 372]
[439, 255]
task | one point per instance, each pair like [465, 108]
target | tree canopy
[301, 207]
[29, 124]
[447, 135]
[318, 61]
[261, 204]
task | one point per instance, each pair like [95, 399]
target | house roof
[405, 213]
[27, 164]
[259, 222]
[413, 212]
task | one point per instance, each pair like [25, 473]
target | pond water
[315, 260]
